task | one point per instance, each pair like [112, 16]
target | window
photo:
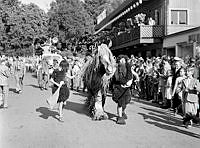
[157, 17]
[179, 17]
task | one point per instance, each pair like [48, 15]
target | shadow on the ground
[83, 94]
[34, 75]
[165, 114]
[46, 113]
[77, 107]
[111, 116]
[12, 90]
[165, 121]
[34, 86]
[145, 102]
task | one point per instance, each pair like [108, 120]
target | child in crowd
[168, 89]
[191, 88]
[177, 92]
[155, 86]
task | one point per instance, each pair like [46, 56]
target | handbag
[118, 93]
[52, 100]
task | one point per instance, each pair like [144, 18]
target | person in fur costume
[122, 81]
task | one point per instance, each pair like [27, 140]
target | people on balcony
[151, 21]
[122, 28]
[129, 26]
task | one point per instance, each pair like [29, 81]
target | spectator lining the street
[155, 86]
[168, 89]
[4, 75]
[191, 90]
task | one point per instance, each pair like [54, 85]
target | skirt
[191, 108]
[63, 93]
[122, 96]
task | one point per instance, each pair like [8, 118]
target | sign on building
[101, 16]
[198, 50]
[194, 38]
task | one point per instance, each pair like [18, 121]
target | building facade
[146, 39]
[183, 43]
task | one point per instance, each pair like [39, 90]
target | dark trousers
[189, 117]
[176, 102]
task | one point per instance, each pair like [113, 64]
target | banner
[101, 16]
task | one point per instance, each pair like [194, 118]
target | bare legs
[121, 118]
[61, 112]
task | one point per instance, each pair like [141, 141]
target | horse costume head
[104, 60]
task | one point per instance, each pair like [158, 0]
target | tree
[95, 7]
[68, 18]
[19, 25]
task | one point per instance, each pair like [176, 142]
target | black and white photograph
[99, 73]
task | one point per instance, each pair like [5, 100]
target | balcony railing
[140, 34]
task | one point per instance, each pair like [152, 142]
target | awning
[133, 4]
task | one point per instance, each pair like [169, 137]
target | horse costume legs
[98, 113]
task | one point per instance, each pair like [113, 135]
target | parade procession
[99, 73]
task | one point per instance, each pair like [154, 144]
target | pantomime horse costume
[97, 74]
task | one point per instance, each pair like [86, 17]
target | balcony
[144, 34]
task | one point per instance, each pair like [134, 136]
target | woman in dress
[177, 92]
[60, 79]
[191, 89]
[122, 81]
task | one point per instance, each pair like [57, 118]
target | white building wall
[193, 8]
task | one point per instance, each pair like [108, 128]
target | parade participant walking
[4, 75]
[76, 81]
[177, 93]
[122, 81]
[191, 90]
[43, 75]
[59, 79]
[176, 71]
[19, 72]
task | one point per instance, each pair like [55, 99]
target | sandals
[61, 119]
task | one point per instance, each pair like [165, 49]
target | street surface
[28, 123]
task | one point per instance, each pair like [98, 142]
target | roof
[117, 11]
[183, 32]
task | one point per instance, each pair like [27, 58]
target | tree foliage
[68, 18]
[95, 7]
[19, 25]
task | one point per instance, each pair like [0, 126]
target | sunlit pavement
[28, 123]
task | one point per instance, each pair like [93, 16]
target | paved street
[28, 123]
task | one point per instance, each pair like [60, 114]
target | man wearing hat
[177, 66]
[4, 75]
[122, 81]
